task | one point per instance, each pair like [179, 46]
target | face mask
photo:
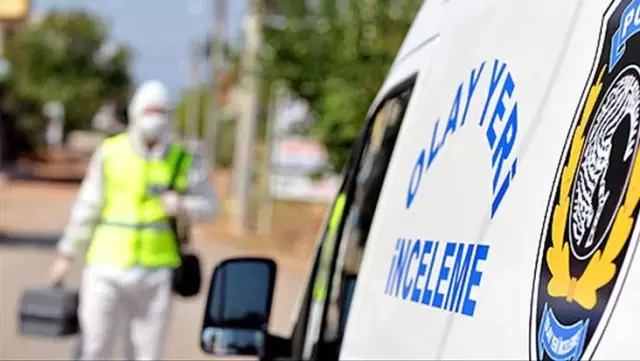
[152, 127]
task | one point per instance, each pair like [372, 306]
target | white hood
[144, 126]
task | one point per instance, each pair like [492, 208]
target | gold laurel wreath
[601, 268]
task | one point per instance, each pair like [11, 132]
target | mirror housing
[238, 307]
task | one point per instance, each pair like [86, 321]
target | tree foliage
[58, 59]
[335, 54]
[225, 123]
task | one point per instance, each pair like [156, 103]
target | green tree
[336, 54]
[62, 58]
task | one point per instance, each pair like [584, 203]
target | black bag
[49, 312]
[187, 278]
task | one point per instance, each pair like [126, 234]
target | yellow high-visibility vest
[134, 228]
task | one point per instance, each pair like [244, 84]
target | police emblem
[591, 231]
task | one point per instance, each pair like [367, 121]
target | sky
[159, 31]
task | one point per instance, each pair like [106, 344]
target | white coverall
[139, 296]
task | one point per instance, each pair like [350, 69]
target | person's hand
[59, 269]
[172, 203]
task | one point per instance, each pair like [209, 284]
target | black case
[49, 312]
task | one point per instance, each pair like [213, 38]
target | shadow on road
[27, 240]
[24, 175]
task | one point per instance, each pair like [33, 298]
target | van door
[348, 227]
[309, 311]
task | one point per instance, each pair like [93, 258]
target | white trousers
[133, 302]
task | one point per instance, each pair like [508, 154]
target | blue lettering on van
[629, 26]
[416, 177]
[436, 274]
[501, 140]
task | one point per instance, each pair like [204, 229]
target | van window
[359, 214]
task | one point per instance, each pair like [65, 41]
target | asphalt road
[32, 217]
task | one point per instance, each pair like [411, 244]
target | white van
[490, 207]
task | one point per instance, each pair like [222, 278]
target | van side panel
[376, 343]
[550, 68]
[449, 271]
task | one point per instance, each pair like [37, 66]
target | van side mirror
[238, 307]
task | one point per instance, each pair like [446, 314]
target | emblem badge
[591, 232]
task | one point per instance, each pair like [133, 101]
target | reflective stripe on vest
[134, 229]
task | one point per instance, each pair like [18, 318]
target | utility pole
[265, 215]
[193, 100]
[216, 59]
[246, 127]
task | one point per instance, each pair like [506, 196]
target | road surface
[32, 217]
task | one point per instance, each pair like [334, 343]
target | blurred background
[272, 92]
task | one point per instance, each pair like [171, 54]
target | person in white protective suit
[120, 222]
